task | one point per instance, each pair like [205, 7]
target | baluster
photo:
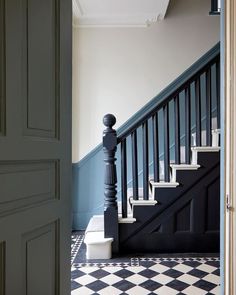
[177, 127]
[208, 107]
[124, 177]
[198, 112]
[110, 181]
[218, 92]
[155, 148]
[135, 165]
[166, 143]
[155, 151]
[187, 125]
[145, 161]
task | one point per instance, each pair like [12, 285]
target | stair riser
[188, 216]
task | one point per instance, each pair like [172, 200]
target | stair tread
[96, 224]
[164, 184]
[141, 201]
[206, 148]
[185, 166]
[128, 219]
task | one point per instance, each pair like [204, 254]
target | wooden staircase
[175, 207]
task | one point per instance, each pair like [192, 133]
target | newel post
[110, 181]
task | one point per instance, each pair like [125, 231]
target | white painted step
[176, 167]
[142, 202]
[131, 203]
[128, 219]
[163, 184]
[202, 149]
[98, 247]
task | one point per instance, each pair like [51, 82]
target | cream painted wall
[118, 70]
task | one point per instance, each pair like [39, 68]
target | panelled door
[35, 146]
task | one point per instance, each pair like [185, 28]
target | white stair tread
[126, 220]
[142, 202]
[96, 224]
[185, 166]
[206, 148]
[96, 238]
[163, 184]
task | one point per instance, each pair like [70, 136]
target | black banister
[155, 148]
[124, 178]
[166, 143]
[187, 124]
[198, 112]
[208, 107]
[110, 181]
[177, 131]
[145, 161]
[135, 165]
[218, 91]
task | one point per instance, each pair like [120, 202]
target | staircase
[173, 204]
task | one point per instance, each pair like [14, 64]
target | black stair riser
[195, 205]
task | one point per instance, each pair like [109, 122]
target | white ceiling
[118, 13]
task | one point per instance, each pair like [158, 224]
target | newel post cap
[109, 120]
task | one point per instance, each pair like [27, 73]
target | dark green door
[35, 146]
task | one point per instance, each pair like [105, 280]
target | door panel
[47, 269]
[41, 177]
[41, 117]
[35, 146]
[2, 268]
[2, 68]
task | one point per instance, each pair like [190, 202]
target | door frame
[228, 143]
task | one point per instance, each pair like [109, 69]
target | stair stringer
[142, 236]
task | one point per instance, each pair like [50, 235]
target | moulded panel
[40, 254]
[41, 115]
[26, 183]
[2, 69]
[213, 201]
[183, 218]
[2, 267]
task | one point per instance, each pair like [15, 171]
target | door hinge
[228, 203]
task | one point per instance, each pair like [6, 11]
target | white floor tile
[85, 280]
[111, 279]
[162, 279]
[137, 291]
[206, 268]
[183, 268]
[191, 290]
[109, 291]
[166, 291]
[188, 279]
[82, 290]
[212, 278]
[159, 268]
[136, 279]
[216, 290]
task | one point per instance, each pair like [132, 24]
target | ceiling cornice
[83, 18]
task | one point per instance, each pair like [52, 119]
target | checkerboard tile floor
[144, 275]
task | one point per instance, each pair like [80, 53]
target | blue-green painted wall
[88, 173]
